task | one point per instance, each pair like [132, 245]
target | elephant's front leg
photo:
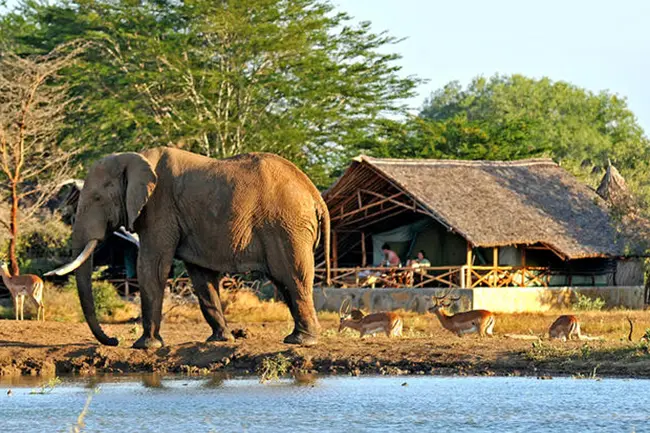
[206, 283]
[152, 277]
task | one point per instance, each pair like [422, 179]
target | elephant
[255, 212]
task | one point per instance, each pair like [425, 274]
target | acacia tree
[292, 77]
[33, 105]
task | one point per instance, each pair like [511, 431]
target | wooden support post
[364, 258]
[126, 287]
[495, 265]
[468, 280]
[335, 250]
[523, 266]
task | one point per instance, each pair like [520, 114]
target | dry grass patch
[611, 324]
[241, 306]
[62, 305]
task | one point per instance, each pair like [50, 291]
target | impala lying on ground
[21, 286]
[369, 324]
[565, 328]
[469, 322]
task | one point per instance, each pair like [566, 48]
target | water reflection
[311, 403]
[305, 379]
[152, 380]
[216, 380]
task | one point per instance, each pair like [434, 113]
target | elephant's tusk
[65, 269]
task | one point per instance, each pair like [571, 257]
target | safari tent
[481, 223]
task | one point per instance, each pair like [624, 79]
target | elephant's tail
[324, 216]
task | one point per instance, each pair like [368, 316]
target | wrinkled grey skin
[252, 212]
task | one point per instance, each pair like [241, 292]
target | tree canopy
[220, 77]
[515, 117]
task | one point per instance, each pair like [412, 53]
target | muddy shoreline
[50, 348]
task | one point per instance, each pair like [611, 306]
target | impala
[388, 322]
[565, 327]
[21, 286]
[469, 322]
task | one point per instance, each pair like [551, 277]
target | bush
[273, 367]
[107, 300]
[585, 303]
[43, 241]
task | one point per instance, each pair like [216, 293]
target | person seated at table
[391, 259]
[420, 261]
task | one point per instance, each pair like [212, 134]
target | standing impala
[388, 322]
[24, 285]
[481, 321]
[565, 327]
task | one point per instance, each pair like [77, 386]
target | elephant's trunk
[83, 275]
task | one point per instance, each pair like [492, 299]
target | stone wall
[498, 300]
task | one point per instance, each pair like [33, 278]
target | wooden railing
[436, 276]
[377, 277]
[503, 276]
[183, 286]
[433, 276]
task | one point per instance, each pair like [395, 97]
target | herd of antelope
[481, 322]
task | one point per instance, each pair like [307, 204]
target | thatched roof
[494, 203]
[613, 189]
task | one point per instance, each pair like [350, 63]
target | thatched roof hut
[489, 203]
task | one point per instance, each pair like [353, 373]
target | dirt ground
[52, 348]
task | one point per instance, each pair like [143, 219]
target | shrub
[273, 367]
[585, 303]
[43, 243]
[107, 300]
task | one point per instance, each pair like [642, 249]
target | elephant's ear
[140, 183]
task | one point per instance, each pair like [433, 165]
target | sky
[595, 44]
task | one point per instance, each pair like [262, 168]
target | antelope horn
[629, 336]
[82, 257]
[444, 295]
[345, 307]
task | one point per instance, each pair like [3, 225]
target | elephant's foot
[301, 338]
[145, 342]
[224, 335]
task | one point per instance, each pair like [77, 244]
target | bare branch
[33, 104]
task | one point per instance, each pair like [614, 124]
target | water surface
[332, 404]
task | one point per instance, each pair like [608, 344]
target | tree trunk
[13, 230]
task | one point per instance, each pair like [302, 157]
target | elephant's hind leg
[293, 273]
[206, 285]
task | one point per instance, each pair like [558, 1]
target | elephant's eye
[97, 197]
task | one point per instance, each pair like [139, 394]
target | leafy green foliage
[107, 300]
[585, 303]
[515, 117]
[273, 367]
[220, 78]
[48, 386]
[43, 244]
